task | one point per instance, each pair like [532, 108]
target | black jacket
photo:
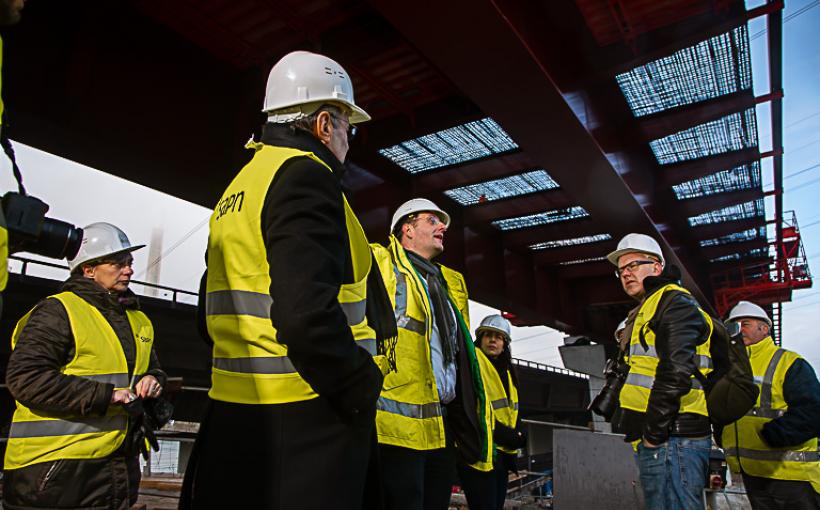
[303, 227]
[34, 378]
[680, 329]
[801, 422]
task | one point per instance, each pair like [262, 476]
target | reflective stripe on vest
[255, 304]
[36, 436]
[417, 411]
[746, 451]
[638, 350]
[646, 381]
[402, 319]
[250, 364]
[500, 403]
[47, 428]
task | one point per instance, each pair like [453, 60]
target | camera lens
[58, 239]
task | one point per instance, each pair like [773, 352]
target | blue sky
[801, 135]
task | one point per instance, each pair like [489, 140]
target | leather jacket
[680, 330]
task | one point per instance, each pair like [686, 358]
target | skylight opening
[545, 218]
[740, 178]
[730, 133]
[575, 241]
[582, 261]
[513, 186]
[753, 209]
[712, 68]
[474, 140]
[736, 237]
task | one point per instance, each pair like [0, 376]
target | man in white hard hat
[485, 483]
[434, 398]
[78, 358]
[662, 403]
[294, 312]
[775, 445]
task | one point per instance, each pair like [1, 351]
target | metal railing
[174, 292]
[549, 368]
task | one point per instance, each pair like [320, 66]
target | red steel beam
[553, 232]
[695, 206]
[678, 173]
[723, 228]
[711, 252]
[517, 206]
[473, 172]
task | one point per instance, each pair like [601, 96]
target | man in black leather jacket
[663, 409]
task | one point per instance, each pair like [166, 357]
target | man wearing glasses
[662, 403]
[435, 399]
[289, 304]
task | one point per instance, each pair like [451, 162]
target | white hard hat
[494, 323]
[417, 205]
[748, 309]
[636, 243]
[302, 81]
[101, 240]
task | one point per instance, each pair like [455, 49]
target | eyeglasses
[351, 129]
[632, 267]
[432, 219]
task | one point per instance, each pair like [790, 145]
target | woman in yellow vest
[485, 484]
[77, 358]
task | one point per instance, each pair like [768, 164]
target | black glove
[509, 437]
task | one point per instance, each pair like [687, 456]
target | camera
[606, 401]
[29, 229]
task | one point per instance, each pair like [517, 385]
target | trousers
[674, 474]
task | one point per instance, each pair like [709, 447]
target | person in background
[81, 360]
[775, 445]
[485, 484]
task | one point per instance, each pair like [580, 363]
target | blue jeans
[674, 474]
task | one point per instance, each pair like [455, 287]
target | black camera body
[606, 401]
[29, 229]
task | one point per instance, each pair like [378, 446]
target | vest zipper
[51, 471]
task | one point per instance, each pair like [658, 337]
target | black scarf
[437, 287]
[379, 312]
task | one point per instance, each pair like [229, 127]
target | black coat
[34, 378]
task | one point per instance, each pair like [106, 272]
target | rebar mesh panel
[730, 133]
[458, 144]
[753, 209]
[736, 179]
[513, 186]
[545, 218]
[736, 237]
[575, 241]
[582, 261]
[712, 68]
[757, 253]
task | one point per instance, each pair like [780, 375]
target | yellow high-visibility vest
[249, 365]
[502, 409]
[4, 234]
[643, 362]
[409, 410]
[745, 449]
[37, 436]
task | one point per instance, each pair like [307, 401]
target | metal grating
[753, 209]
[757, 253]
[582, 261]
[712, 68]
[575, 241]
[736, 179]
[736, 237]
[513, 186]
[730, 133]
[545, 218]
[458, 144]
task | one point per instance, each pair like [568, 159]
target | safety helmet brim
[617, 254]
[78, 263]
[483, 329]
